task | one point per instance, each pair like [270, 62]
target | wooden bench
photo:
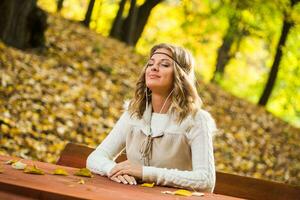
[75, 155]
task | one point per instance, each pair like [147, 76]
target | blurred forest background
[234, 42]
[65, 74]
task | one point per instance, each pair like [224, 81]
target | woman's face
[160, 72]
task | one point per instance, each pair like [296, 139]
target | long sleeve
[202, 177]
[100, 161]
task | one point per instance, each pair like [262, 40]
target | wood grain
[15, 184]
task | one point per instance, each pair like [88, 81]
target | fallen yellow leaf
[148, 185]
[60, 171]
[84, 172]
[19, 165]
[81, 181]
[198, 194]
[33, 170]
[167, 192]
[12, 161]
[183, 193]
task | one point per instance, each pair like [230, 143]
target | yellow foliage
[59, 171]
[84, 172]
[19, 165]
[81, 181]
[147, 185]
[33, 170]
[183, 193]
[12, 161]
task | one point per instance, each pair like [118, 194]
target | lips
[153, 76]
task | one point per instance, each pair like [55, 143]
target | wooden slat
[75, 155]
[252, 188]
[228, 184]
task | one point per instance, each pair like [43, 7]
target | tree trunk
[133, 25]
[59, 5]
[224, 55]
[143, 15]
[22, 23]
[118, 21]
[124, 34]
[132, 16]
[287, 25]
[88, 14]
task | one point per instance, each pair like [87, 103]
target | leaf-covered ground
[74, 89]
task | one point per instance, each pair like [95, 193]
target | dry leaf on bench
[148, 185]
[60, 171]
[167, 192]
[12, 161]
[185, 193]
[84, 172]
[198, 194]
[81, 181]
[19, 165]
[33, 170]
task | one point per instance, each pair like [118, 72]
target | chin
[152, 86]
[157, 88]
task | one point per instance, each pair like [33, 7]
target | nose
[154, 67]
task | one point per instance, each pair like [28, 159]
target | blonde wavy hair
[185, 99]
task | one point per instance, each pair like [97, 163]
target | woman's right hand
[125, 179]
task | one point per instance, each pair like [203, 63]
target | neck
[158, 101]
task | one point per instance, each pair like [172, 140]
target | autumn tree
[224, 51]
[22, 23]
[286, 27]
[88, 14]
[115, 30]
[59, 5]
[236, 31]
[130, 28]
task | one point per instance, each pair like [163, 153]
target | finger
[116, 179]
[122, 172]
[133, 180]
[128, 179]
[122, 179]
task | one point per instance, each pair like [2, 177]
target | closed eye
[149, 64]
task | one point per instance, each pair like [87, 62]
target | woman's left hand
[128, 168]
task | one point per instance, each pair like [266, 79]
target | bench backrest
[75, 155]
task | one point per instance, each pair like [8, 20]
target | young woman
[167, 136]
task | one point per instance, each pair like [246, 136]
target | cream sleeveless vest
[169, 149]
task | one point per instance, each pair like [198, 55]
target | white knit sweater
[200, 139]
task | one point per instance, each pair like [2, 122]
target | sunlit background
[200, 27]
